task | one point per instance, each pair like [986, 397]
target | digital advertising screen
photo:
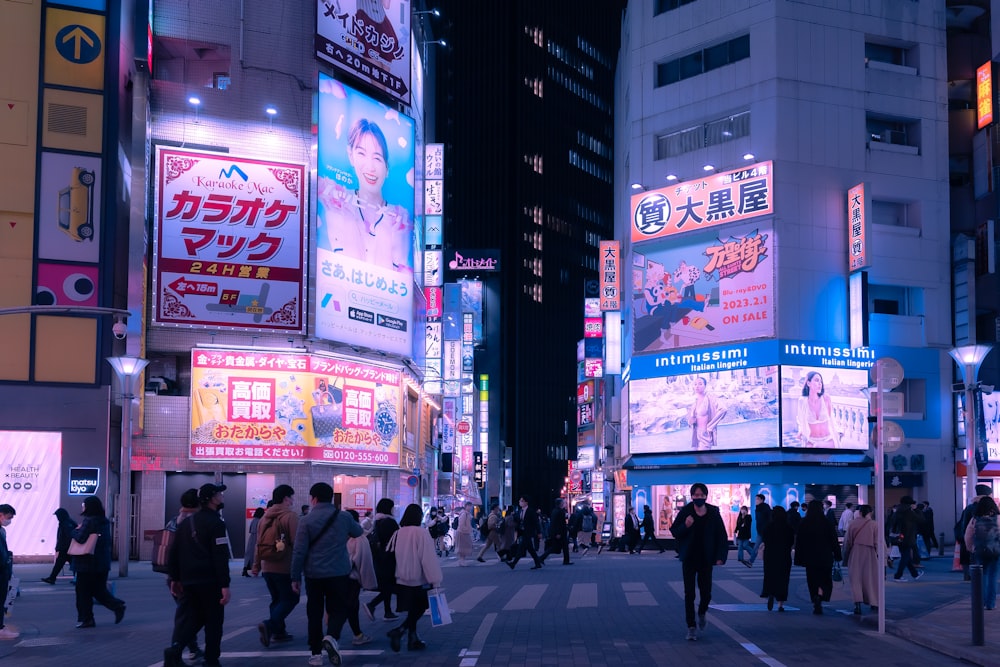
[364, 221]
[716, 411]
[271, 406]
[824, 408]
[706, 288]
[31, 470]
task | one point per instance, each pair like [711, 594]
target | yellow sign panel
[74, 49]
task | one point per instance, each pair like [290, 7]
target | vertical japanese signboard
[713, 200]
[369, 40]
[858, 227]
[610, 272]
[228, 241]
[984, 95]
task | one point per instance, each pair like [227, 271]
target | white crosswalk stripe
[582, 595]
[526, 597]
[637, 594]
[468, 600]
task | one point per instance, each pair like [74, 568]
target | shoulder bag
[83, 549]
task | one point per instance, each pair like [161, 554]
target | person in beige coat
[417, 570]
[463, 535]
[861, 556]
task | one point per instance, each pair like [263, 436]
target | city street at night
[607, 609]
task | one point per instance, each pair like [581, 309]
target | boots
[245, 573]
[857, 608]
[395, 637]
[414, 643]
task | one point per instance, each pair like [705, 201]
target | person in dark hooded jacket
[66, 526]
[92, 569]
[816, 548]
[702, 543]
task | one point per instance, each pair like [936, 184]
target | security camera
[119, 329]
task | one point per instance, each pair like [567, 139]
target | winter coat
[716, 545]
[362, 568]
[199, 555]
[778, 541]
[816, 544]
[278, 520]
[64, 531]
[323, 556]
[417, 563]
[385, 566]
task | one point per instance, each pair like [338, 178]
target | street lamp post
[127, 370]
[969, 358]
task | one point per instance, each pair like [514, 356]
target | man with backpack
[982, 490]
[588, 524]
[982, 539]
[493, 527]
[273, 558]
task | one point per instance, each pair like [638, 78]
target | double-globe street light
[969, 358]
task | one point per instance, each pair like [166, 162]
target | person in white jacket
[362, 576]
[417, 570]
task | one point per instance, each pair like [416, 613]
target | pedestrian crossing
[741, 593]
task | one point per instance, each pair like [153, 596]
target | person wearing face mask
[6, 569]
[702, 543]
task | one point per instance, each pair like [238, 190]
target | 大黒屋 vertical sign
[858, 227]
[610, 271]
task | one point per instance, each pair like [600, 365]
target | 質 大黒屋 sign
[270, 406]
[713, 200]
[229, 241]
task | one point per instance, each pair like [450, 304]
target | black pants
[92, 586]
[330, 595]
[526, 545]
[354, 606]
[702, 572]
[4, 585]
[649, 537]
[385, 597]
[61, 559]
[819, 579]
[555, 545]
[199, 607]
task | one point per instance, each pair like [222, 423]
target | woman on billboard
[815, 415]
[704, 417]
[360, 223]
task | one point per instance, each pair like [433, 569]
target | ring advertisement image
[268, 406]
[824, 408]
[229, 241]
[716, 411]
[705, 288]
[364, 221]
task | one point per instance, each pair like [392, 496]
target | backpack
[162, 542]
[986, 539]
[271, 543]
[587, 525]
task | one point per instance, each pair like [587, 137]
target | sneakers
[692, 636]
[316, 660]
[702, 621]
[361, 640]
[331, 649]
[899, 580]
[49, 580]
[277, 639]
[265, 634]
[369, 614]
[919, 574]
[389, 616]
[194, 654]
[7, 633]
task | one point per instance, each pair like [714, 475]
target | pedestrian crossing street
[739, 591]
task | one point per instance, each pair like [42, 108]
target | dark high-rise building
[525, 91]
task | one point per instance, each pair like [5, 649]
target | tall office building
[525, 94]
[783, 198]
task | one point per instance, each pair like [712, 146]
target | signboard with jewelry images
[229, 241]
[364, 221]
[251, 405]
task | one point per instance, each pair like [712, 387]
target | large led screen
[229, 240]
[272, 406]
[734, 409]
[824, 408]
[30, 474]
[364, 221]
[705, 288]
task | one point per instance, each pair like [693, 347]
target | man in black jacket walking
[527, 532]
[702, 543]
[199, 578]
[557, 540]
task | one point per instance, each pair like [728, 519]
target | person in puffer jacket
[417, 570]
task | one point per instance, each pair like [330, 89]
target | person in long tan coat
[861, 554]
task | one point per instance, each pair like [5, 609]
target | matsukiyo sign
[731, 196]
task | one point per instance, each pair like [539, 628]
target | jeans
[702, 572]
[744, 545]
[990, 584]
[283, 600]
[756, 549]
[330, 595]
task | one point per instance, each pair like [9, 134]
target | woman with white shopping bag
[417, 571]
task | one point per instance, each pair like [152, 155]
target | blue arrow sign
[78, 44]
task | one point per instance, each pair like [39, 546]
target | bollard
[941, 545]
[976, 572]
